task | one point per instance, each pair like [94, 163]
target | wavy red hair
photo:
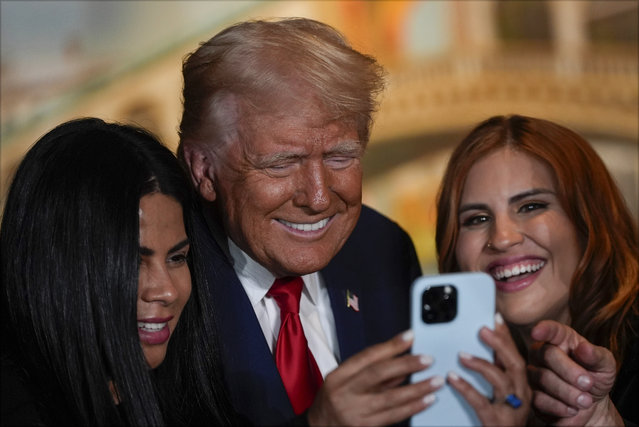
[604, 287]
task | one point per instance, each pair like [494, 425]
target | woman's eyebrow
[179, 246]
[532, 192]
[144, 251]
[472, 207]
[514, 199]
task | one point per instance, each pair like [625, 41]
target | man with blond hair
[310, 288]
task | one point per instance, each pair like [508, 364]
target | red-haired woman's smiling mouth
[505, 272]
[515, 275]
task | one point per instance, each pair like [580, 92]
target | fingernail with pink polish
[453, 376]
[408, 335]
[584, 401]
[464, 355]
[429, 398]
[437, 381]
[499, 319]
[583, 381]
[426, 360]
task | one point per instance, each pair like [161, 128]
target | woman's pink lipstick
[154, 330]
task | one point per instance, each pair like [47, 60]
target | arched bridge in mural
[596, 94]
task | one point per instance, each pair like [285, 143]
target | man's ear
[200, 165]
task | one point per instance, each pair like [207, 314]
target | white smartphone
[447, 312]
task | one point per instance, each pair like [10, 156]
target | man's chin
[297, 265]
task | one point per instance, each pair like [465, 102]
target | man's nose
[313, 187]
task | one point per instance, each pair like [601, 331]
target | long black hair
[69, 248]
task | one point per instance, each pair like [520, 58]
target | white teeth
[506, 273]
[151, 327]
[306, 227]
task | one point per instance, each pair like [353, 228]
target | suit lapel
[340, 281]
[253, 380]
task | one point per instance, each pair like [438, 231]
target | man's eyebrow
[144, 251]
[347, 147]
[278, 157]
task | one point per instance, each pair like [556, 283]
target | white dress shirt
[316, 314]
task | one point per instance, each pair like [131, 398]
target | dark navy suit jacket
[377, 263]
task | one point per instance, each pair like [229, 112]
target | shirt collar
[257, 280]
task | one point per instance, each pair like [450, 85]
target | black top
[625, 393]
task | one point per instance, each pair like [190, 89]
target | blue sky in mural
[35, 32]
[428, 31]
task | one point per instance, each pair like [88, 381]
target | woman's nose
[156, 285]
[505, 233]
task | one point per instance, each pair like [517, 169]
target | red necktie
[300, 374]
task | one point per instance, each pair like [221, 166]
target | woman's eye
[532, 206]
[475, 220]
[178, 259]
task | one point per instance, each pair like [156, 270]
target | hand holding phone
[447, 312]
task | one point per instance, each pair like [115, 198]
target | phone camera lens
[439, 304]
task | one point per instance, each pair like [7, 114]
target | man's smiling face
[290, 193]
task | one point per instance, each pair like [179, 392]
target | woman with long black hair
[99, 286]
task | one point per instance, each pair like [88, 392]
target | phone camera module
[439, 304]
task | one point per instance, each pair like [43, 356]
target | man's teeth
[151, 327]
[506, 273]
[306, 227]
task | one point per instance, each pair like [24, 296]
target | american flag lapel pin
[351, 300]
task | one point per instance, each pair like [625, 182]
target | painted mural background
[450, 65]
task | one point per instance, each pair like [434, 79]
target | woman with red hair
[531, 203]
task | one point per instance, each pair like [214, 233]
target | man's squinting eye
[339, 162]
[280, 166]
[280, 170]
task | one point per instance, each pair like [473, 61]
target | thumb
[594, 358]
[556, 333]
